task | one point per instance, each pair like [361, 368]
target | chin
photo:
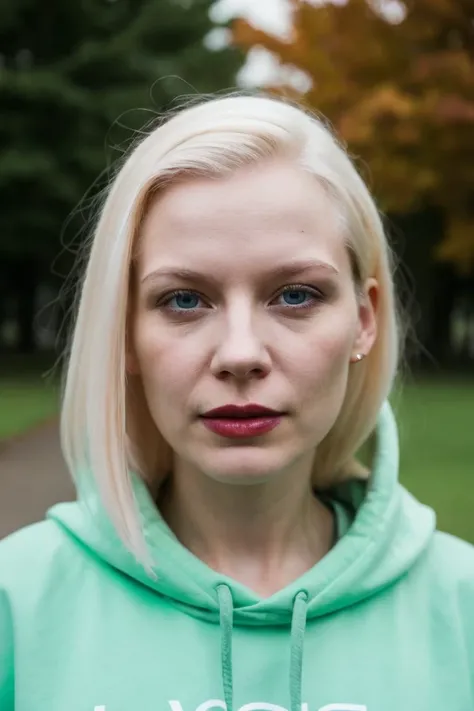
[241, 478]
[244, 466]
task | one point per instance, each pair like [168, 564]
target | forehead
[259, 215]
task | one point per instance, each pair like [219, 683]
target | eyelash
[317, 296]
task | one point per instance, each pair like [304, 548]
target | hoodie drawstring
[226, 619]
[298, 628]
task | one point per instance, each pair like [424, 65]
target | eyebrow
[283, 271]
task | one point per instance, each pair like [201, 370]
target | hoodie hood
[83, 623]
[389, 532]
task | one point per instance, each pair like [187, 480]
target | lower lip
[243, 427]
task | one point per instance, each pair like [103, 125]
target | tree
[400, 92]
[72, 75]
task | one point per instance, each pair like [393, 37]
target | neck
[262, 535]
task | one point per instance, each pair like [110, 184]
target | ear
[367, 326]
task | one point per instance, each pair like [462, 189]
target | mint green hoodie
[385, 622]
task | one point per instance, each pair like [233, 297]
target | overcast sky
[272, 16]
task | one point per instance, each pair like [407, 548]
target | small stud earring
[358, 357]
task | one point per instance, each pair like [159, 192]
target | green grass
[25, 402]
[436, 424]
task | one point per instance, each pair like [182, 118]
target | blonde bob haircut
[106, 428]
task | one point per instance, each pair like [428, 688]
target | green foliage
[71, 71]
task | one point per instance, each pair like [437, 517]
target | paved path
[33, 477]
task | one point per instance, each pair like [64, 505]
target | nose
[240, 352]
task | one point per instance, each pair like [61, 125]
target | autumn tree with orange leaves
[400, 92]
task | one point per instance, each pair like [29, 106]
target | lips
[241, 421]
[241, 412]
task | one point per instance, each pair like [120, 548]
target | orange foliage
[401, 94]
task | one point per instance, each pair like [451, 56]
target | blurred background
[80, 81]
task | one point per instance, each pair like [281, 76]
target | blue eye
[299, 297]
[183, 301]
[295, 297]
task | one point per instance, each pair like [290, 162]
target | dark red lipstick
[241, 420]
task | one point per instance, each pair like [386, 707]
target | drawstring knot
[298, 628]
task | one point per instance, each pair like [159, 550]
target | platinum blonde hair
[105, 428]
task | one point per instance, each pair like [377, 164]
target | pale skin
[271, 315]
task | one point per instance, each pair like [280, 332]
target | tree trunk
[26, 286]
[444, 298]
[414, 237]
[3, 296]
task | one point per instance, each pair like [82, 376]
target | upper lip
[241, 411]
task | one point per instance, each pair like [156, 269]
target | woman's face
[244, 294]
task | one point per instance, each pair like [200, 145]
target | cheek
[167, 365]
[320, 359]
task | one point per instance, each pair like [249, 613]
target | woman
[235, 345]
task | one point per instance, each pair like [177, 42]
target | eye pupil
[187, 300]
[295, 296]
